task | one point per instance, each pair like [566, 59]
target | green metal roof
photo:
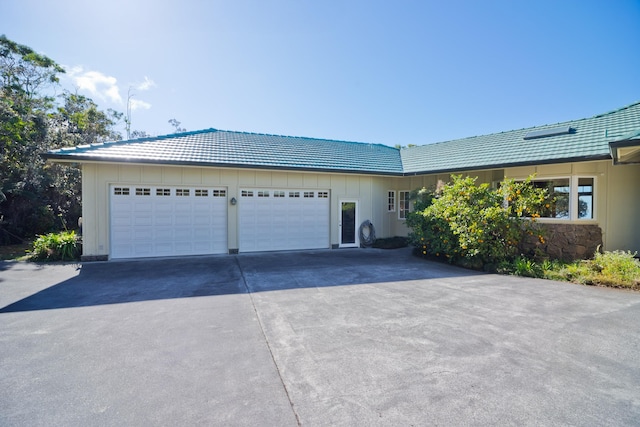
[213, 147]
[578, 140]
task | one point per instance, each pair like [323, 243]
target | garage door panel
[121, 220]
[162, 219]
[142, 220]
[163, 207]
[143, 234]
[167, 221]
[218, 221]
[182, 207]
[162, 235]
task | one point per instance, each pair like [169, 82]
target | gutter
[88, 159]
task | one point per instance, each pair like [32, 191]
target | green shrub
[473, 224]
[526, 267]
[618, 268]
[63, 246]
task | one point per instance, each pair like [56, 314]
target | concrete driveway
[318, 338]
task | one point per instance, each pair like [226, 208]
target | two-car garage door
[151, 221]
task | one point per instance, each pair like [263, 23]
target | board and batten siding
[368, 190]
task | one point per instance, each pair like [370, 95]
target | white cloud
[96, 83]
[105, 88]
[137, 104]
[146, 84]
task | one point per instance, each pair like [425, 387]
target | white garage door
[148, 221]
[272, 220]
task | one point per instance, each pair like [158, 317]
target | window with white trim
[585, 198]
[391, 201]
[558, 193]
[121, 191]
[323, 194]
[163, 191]
[570, 198]
[403, 204]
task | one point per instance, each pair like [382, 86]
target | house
[215, 192]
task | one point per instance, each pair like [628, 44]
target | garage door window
[163, 191]
[202, 193]
[278, 194]
[263, 194]
[219, 193]
[143, 191]
[182, 192]
[121, 191]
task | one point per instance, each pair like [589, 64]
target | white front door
[347, 224]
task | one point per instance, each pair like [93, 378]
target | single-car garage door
[151, 221]
[272, 220]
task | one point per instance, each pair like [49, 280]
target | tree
[79, 121]
[139, 134]
[176, 125]
[475, 224]
[76, 121]
[37, 197]
[24, 74]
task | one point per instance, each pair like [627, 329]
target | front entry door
[347, 223]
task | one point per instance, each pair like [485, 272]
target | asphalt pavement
[315, 338]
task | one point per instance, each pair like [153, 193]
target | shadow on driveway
[119, 282]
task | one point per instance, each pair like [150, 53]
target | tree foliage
[38, 197]
[475, 224]
[176, 126]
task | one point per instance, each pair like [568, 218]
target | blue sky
[389, 72]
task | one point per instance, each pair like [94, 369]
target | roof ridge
[211, 130]
[307, 137]
[616, 110]
[170, 135]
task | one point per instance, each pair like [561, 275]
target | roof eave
[91, 159]
[615, 146]
[511, 165]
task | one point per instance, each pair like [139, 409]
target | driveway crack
[266, 340]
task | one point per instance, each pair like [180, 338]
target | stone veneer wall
[566, 242]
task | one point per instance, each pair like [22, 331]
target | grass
[617, 269]
[19, 252]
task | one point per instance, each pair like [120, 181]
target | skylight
[562, 130]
